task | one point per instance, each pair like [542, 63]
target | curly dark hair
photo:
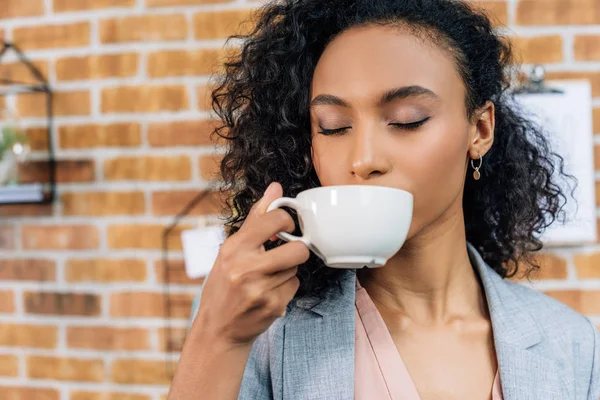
[262, 99]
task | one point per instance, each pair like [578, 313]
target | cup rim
[376, 187]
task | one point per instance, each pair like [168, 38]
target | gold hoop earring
[477, 174]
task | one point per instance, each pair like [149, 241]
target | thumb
[273, 192]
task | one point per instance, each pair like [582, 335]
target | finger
[257, 231]
[273, 192]
[284, 293]
[284, 257]
[279, 277]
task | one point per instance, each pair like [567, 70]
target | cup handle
[292, 203]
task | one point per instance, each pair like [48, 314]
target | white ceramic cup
[351, 226]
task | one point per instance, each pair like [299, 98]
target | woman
[409, 94]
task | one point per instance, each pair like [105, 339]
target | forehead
[362, 62]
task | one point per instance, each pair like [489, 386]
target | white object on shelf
[568, 119]
[8, 167]
[200, 249]
[27, 193]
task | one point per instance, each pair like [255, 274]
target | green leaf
[10, 136]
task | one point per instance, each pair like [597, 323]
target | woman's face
[399, 104]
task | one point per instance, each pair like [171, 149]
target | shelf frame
[9, 87]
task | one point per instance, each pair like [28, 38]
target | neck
[430, 281]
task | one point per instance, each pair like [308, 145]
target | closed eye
[333, 132]
[409, 126]
[412, 125]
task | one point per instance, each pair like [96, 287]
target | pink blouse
[379, 370]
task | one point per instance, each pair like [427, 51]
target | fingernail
[268, 189]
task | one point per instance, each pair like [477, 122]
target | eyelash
[408, 127]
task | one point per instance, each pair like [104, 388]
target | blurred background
[86, 312]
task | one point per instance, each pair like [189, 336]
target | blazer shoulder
[555, 318]
[569, 336]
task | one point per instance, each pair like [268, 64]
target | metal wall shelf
[30, 192]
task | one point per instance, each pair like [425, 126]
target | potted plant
[12, 145]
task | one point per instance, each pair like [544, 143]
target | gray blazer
[545, 350]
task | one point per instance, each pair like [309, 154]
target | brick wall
[81, 282]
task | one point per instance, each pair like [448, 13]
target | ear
[481, 136]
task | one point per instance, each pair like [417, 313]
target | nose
[368, 159]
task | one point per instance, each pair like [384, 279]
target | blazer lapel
[318, 347]
[525, 374]
[318, 344]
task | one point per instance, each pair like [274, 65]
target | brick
[162, 3]
[54, 303]
[172, 202]
[558, 12]
[150, 305]
[20, 72]
[210, 167]
[539, 49]
[60, 237]
[65, 369]
[26, 210]
[103, 203]
[597, 157]
[596, 115]
[75, 103]
[597, 194]
[23, 335]
[126, 99]
[552, 266]
[67, 171]
[176, 273]
[7, 301]
[586, 48]
[588, 265]
[147, 237]
[107, 396]
[593, 77]
[140, 372]
[20, 8]
[107, 338]
[144, 28]
[149, 168]
[184, 133]
[25, 393]
[7, 237]
[37, 138]
[185, 62]
[105, 270]
[52, 36]
[583, 301]
[98, 135]
[496, 10]
[81, 5]
[9, 365]
[204, 97]
[221, 24]
[97, 67]
[27, 270]
[172, 339]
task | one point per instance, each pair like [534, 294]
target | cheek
[440, 177]
[327, 162]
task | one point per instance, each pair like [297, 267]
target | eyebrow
[389, 96]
